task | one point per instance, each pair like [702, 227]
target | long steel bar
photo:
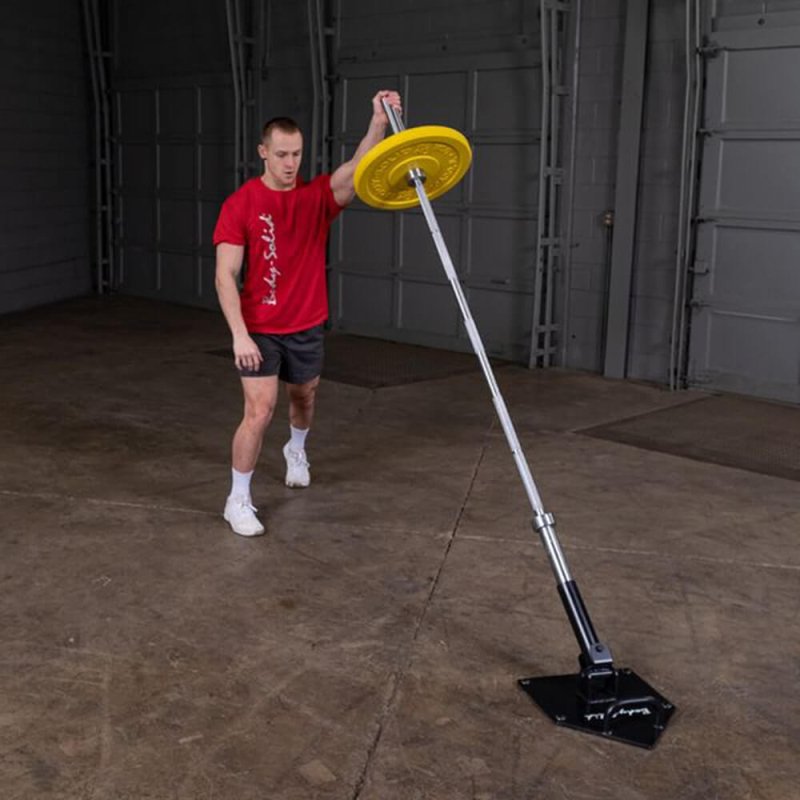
[542, 520]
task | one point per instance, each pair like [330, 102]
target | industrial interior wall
[174, 154]
[653, 286]
[176, 129]
[601, 64]
[286, 83]
[45, 150]
[744, 284]
[473, 65]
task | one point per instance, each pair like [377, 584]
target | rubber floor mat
[739, 432]
[375, 363]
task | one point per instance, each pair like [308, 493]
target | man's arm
[342, 178]
[229, 263]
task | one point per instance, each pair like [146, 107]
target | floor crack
[398, 675]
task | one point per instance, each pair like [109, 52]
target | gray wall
[476, 70]
[602, 42]
[175, 151]
[287, 86]
[174, 148]
[602, 32]
[159, 39]
[659, 195]
[175, 113]
[44, 155]
[745, 287]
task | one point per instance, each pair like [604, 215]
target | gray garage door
[745, 323]
[173, 171]
[386, 278]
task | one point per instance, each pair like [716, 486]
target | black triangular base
[637, 714]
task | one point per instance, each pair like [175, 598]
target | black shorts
[293, 357]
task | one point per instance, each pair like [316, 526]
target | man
[281, 225]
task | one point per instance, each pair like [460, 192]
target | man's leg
[260, 395]
[301, 414]
[301, 403]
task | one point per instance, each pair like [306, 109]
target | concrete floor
[368, 647]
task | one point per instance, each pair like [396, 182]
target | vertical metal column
[233, 40]
[323, 32]
[99, 52]
[320, 113]
[316, 90]
[689, 177]
[568, 203]
[245, 45]
[263, 15]
[627, 182]
[552, 19]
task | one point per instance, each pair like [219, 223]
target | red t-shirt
[284, 233]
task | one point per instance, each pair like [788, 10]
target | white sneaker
[240, 513]
[297, 467]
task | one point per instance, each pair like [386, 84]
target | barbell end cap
[415, 175]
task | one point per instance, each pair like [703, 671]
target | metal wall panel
[409, 29]
[745, 324]
[174, 169]
[44, 147]
[762, 8]
[586, 281]
[173, 38]
[488, 220]
[600, 59]
[175, 133]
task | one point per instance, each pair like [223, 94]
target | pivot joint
[542, 521]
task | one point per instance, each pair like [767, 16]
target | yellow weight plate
[381, 177]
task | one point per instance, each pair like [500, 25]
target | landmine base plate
[638, 715]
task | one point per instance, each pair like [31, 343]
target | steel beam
[626, 194]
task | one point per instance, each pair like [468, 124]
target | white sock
[298, 440]
[240, 483]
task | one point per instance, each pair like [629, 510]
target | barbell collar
[543, 520]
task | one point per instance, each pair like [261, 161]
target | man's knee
[303, 394]
[259, 414]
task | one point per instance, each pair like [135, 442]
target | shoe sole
[239, 533]
[296, 485]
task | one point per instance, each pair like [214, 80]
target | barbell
[406, 170]
[410, 168]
